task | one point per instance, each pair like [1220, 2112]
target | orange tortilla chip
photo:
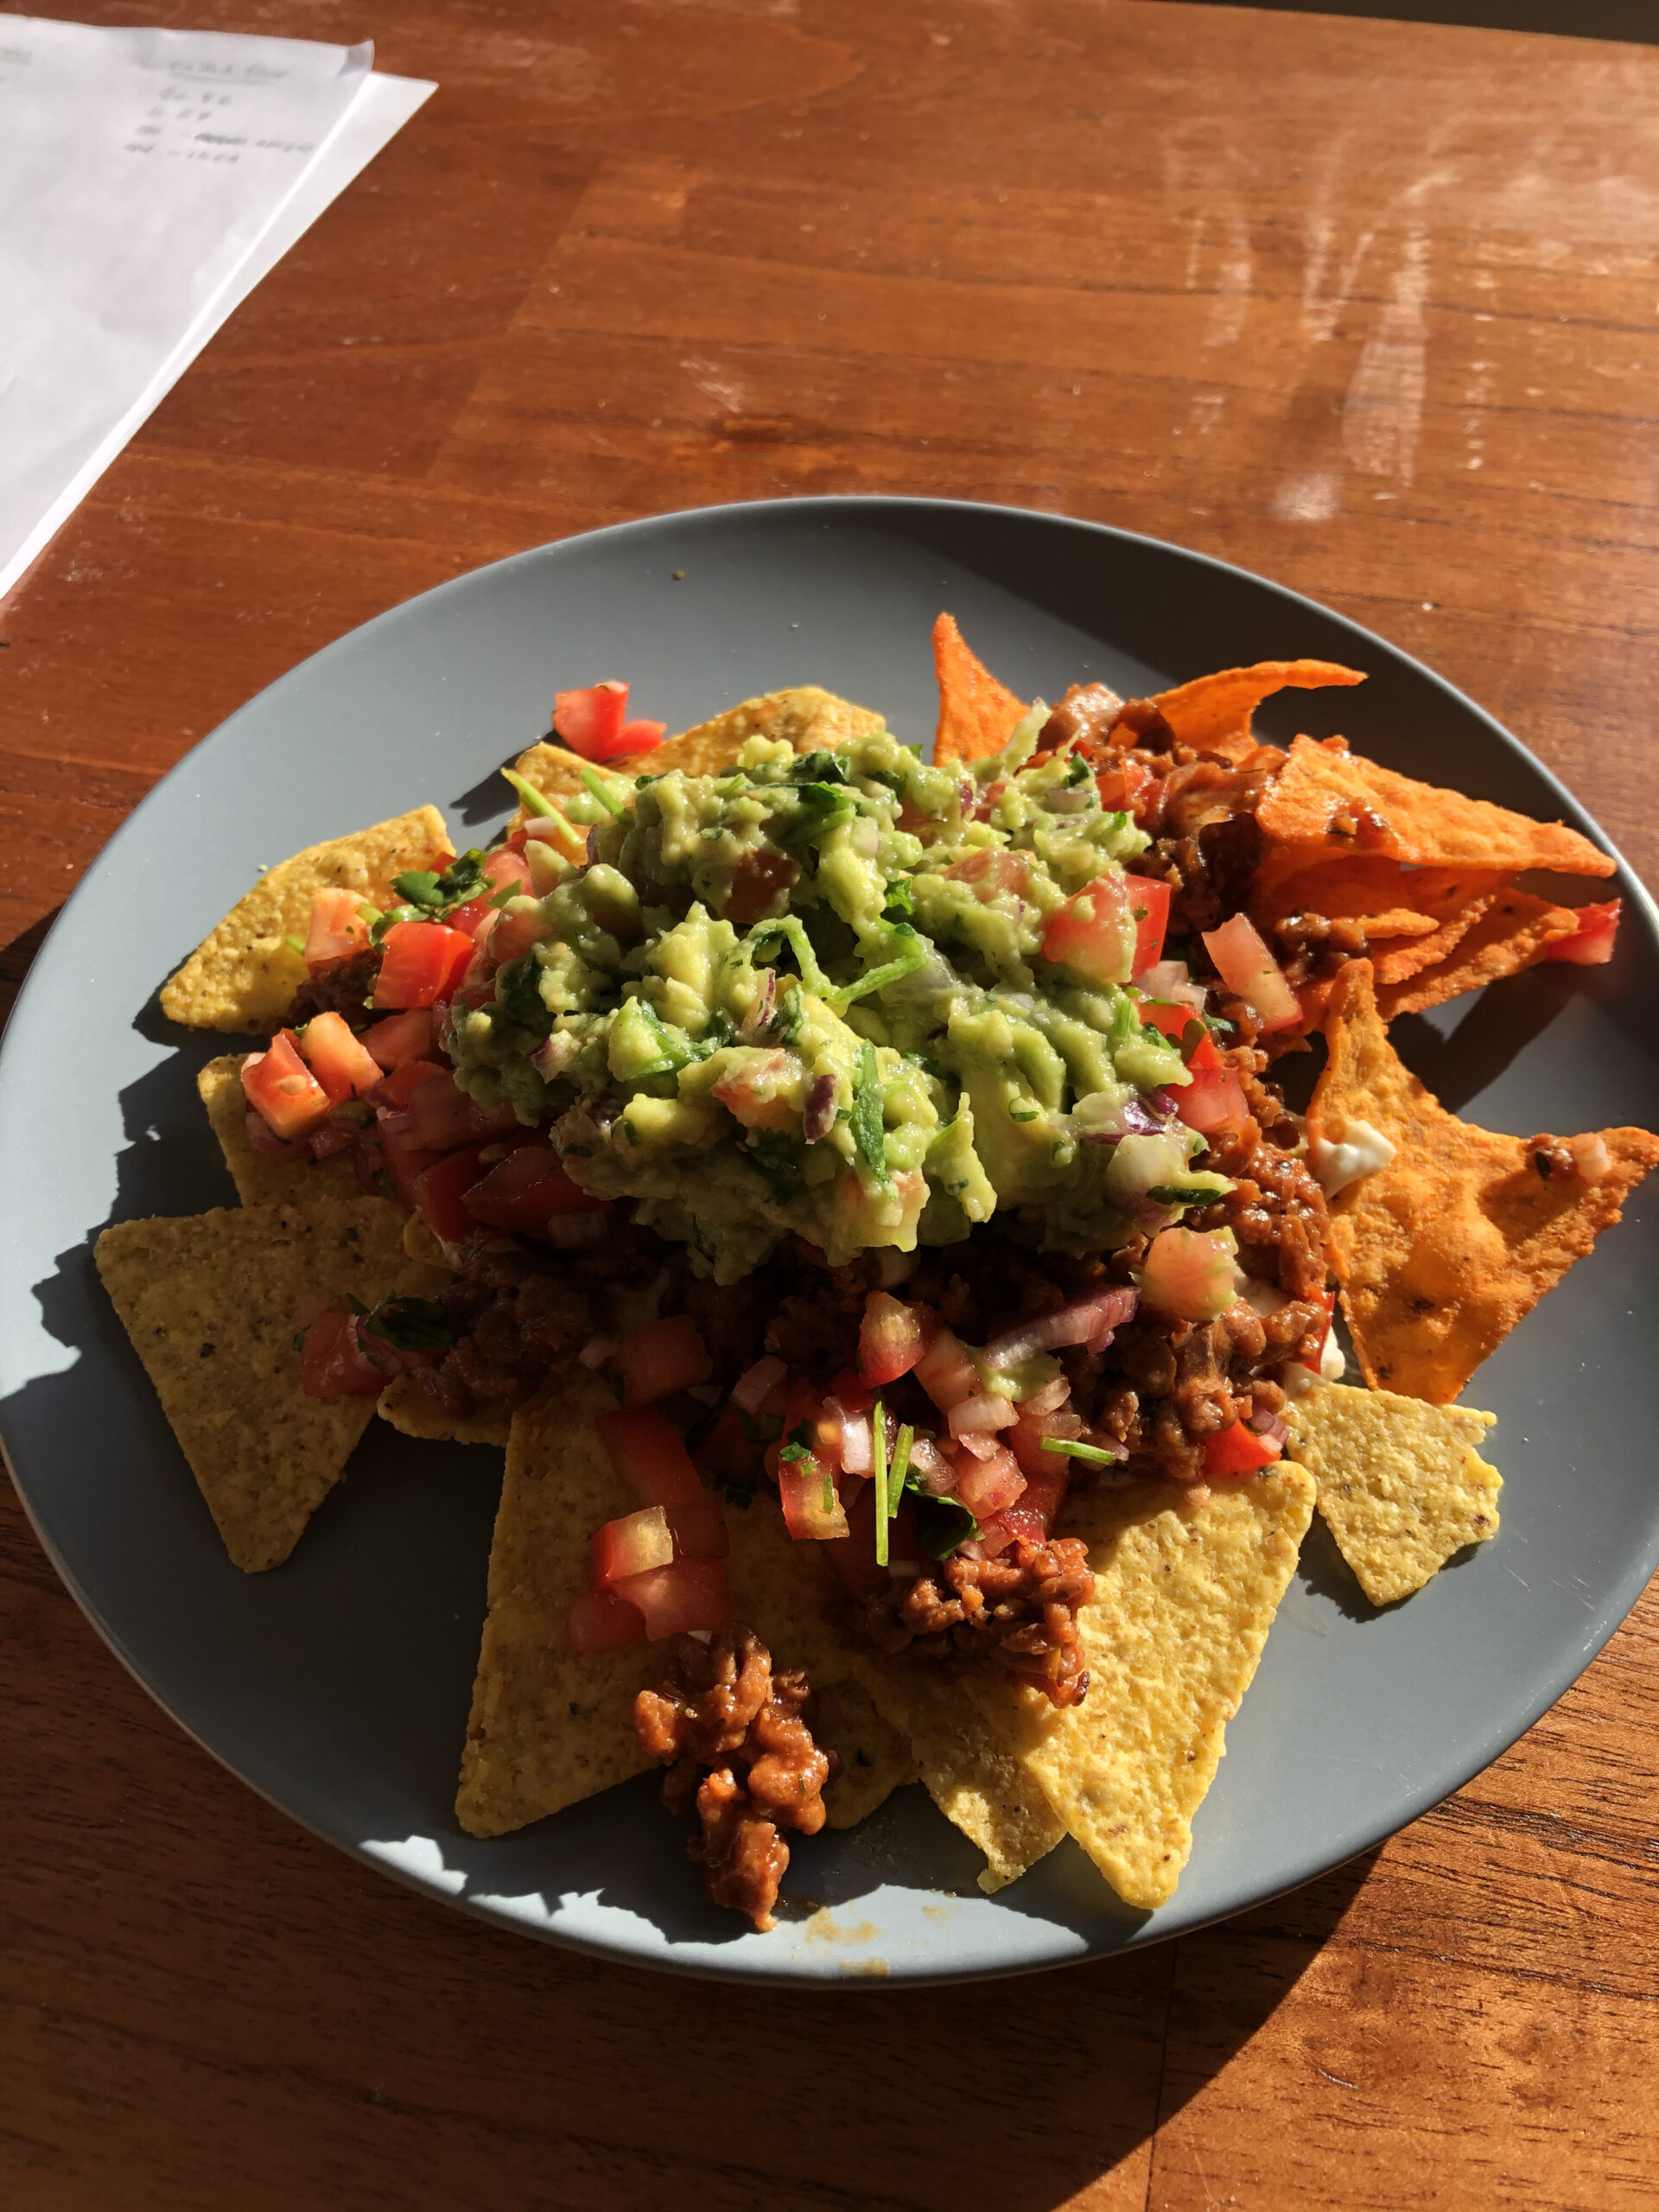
[1391, 900]
[1514, 932]
[977, 713]
[1213, 712]
[1323, 782]
[1398, 964]
[1441, 1252]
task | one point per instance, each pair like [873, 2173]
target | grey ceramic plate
[339, 1685]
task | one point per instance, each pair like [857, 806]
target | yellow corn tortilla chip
[965, 1735]
[244, 976]
[977, 713]
[261, 1179]
[414, 1411]
[1515, 932]
[1213, 713]
[1186, 1590]
[1401, 1486]
[805, 717]
[210, 1302]
[421, 1243]
[874, 1758]
[1322, 784]
[1440, 1253]
[549, 1725]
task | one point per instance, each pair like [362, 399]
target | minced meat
[1018, 1610]
[731, 1733]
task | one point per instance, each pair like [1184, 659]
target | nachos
[856, 1191]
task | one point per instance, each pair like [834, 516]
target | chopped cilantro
[1074, 1450]
[295, 945]
[1023, 1113]
[530, 799]
[886, 1490]
[942, 1524]
[1181, 1194]
[869, 1133]
[899, 904]
[601, 790]
[410, 1323]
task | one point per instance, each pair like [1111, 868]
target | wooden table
[1368, 307]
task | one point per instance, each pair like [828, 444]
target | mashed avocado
[810, 995]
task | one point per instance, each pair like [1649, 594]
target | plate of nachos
[734, 1347]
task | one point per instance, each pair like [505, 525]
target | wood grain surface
[1370, 307]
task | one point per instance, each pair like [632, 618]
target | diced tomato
[514, 934]
[439, 1114]
[332, 1136]
[440, 1189]
[1033, 1514]
[891, 1337]
[633, 1545]
[691, 1593]
[1095, 933]
[641, 736]
[405, 1169]
[1245, 965]
[989, 1486]
[1592, 942]
[1189, 1273]
[338, 1060]
[946, 1372]
[763, 1090]
[699, 1529]
[728, 1453]
[659, 1357]
[1214, 1100]
[991, 873]
[1121, 784]
[1149, 904]
[1239, 1450]
[505, 870]
[602, 1621]
[337, 929]
[406, 1079]
[1168, 1019]
[399, 1038]
[334, 1364]
[420, 963]
[851, 1392]
[526, 1190]
[279, 1086]
[590, 722]
[650, 1455]
[802, 1488]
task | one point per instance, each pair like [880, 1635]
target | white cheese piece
[1360, 1152]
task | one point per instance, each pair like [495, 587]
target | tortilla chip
[1213, 713]
[421, 1243]
[1323, 782]
[874, 1758]
[1401, 1486]
[549, 1725]
[787, 1594]
[977, 713]
[1186, 1590]
[1513, 933]
[210, 1303]
[414, 1411]
[809, 718]
[1391, 900]
[261, 1179]
[1398, 963]
[244, 976]
[1440, 1253]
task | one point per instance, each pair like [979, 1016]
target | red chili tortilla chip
[977, 713]
[1391, 900]
[1399, 963]
[1323, 783]
[1213, 713]
[1515, 931]
[1441, 1252]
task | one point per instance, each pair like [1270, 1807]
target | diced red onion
[551, 1059]
[759, 1015]
[1170, 981]
[1090, 1321]
[1066, 1425]
[970, 1547]
[578, 1232]
[598, 1350]
[980, 1415]
[1268, 1425]
[753, 1389]
[931, 1466]
[904, 1570]
[993, 1537]
[984, 1447]
[819, 1117]
[1049, 1399]
[263, 1138]
[855, 1440]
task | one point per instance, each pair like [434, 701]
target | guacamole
[810, 995]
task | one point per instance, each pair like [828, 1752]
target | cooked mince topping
[730, 1732]
[345, 988]
[1018, 1610]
